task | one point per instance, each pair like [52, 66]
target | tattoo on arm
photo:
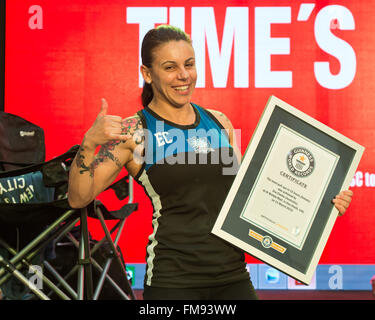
[131, 126]
[79, 160]
[105, 153]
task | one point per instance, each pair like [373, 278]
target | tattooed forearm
[105, 153]
[131, 127]
[79, 160]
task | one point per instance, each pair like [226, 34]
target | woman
[181, 170]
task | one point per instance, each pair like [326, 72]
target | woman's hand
[342, 201]
[105, 128]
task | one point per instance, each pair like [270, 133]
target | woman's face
[172, 74]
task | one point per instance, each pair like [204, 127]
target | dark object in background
[21, 142]
[66, 258]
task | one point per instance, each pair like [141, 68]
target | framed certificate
[279, 207]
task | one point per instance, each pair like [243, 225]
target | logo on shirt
[162, 138]
[200, 144]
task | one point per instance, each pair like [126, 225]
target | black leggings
[242, 290]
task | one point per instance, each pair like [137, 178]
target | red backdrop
[63, 56]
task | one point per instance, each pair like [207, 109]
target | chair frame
[62, 227]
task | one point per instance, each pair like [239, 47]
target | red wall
[62, 57]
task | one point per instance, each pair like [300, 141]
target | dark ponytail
[147, 94]
[153, 39]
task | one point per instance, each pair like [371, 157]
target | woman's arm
[90, 174]
[227, 125]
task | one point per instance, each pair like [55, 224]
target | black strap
[36, 167]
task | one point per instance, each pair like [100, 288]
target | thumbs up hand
[105, 128]
[104, 108]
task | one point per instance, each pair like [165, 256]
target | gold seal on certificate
[279, 207]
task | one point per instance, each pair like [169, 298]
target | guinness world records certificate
[279, 207]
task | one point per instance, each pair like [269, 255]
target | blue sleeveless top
[185, 177]
[170, 141]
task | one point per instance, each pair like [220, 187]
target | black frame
[233, 228]
[233, 223]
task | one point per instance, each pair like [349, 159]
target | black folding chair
[33, 210]
[35, 217]
[107, 246]
[35, 226]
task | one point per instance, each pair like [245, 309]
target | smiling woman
[172, 76]
[168, 68]
[182, 147]
[184, 260]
